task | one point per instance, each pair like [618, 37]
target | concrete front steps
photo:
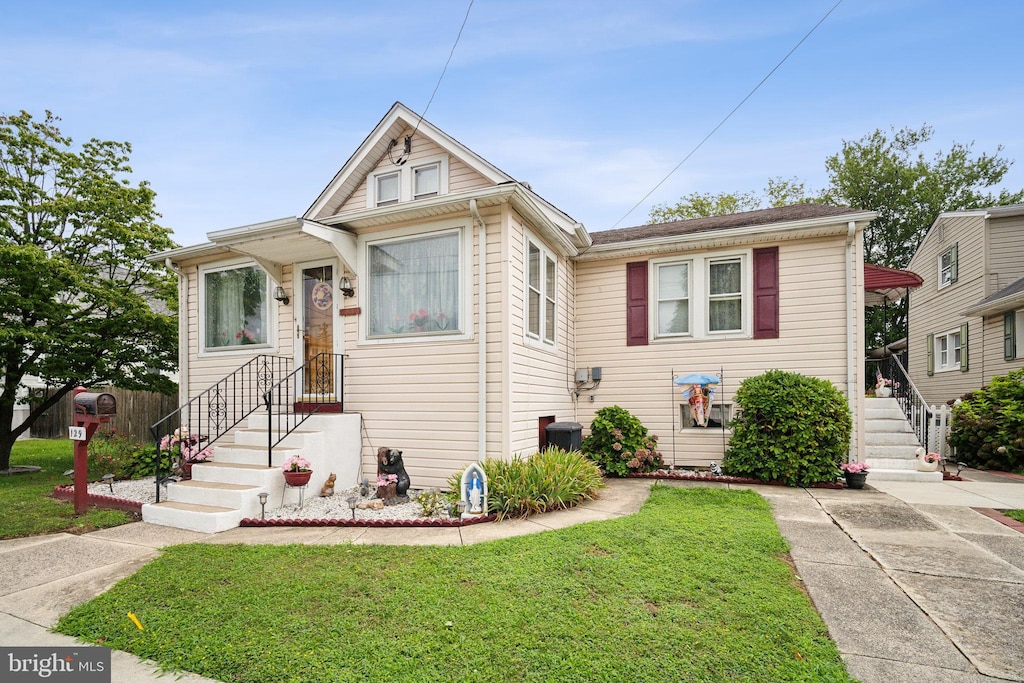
[891, 445]
[226, 489]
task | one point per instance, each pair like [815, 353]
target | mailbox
[89, 403]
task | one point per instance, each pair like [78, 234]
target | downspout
[851, 317]
[182, 330]
[481, 427]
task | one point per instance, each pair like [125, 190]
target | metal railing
[217, 410]
[307, 390]
[921, 417]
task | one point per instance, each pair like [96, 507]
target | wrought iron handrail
[220, 408]
[307, 390]
[910, 400]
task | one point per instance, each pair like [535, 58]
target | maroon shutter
[636, 303]
[766, 293]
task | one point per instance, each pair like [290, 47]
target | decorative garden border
[723, 479]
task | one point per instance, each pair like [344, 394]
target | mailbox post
[91, 410]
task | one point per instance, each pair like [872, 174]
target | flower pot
[883, 392]
[297, 478]
[855, 480]
[389, 492]
[924, 465]
[186, 469]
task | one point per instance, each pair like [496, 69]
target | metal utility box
[89, 403]
[566, 435]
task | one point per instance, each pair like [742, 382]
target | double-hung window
[725, 295]
[235, 311]
[948, 267]
[426, 181]
[673, 296]
[541, 298]
[415, 285]
[388, 187]
[947, 351]
[701, 297]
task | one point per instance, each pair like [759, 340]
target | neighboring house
[472, 312]
[967, 320]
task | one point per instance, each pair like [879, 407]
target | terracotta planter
[186, 470]
[297, 478]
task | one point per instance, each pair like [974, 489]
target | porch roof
[883, 284]
[1006, 299]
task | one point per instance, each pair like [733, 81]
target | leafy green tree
[778, 192]
[79, 302]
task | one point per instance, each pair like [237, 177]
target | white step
[252, 455]
[892, 463]
[908, 452]
[206, 519]
[891, 439]
[902, 475]
[879, 413]
[300, 438]
[237, 473]
[888, 425]
[218, 494]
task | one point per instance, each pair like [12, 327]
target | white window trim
[938, 355]
[466, 323]
[405, 180]
[241, 350]
[952, 265]
[656, 299]
[699, 313]
[529, 338]
[745, 295]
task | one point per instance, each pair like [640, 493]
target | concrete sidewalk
[913, 584]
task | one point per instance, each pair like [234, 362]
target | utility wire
[727, 116]
[445, 69]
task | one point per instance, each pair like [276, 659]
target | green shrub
[790, 428]
[619, 444]
[987, 429]
[551, 480]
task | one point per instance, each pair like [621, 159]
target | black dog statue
[389, 461]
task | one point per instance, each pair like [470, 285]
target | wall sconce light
[263, 505]
[281, 295]
[346, 287]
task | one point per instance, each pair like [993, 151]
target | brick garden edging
[375, 523]
[1001, 518]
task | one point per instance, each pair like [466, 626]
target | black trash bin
[566, 435]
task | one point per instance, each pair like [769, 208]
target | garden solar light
[461, 505]
[263, 504]
[69, 473]
[109, 478]
[351, 500]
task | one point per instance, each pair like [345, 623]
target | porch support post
[343, 242]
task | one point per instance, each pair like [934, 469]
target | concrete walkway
[912, 583]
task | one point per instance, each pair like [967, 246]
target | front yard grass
[694, 587]
[26, 500]
[1016, 514]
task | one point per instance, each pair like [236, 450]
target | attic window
[425, 181]
[387, 188]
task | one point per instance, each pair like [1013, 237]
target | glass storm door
[318, 292]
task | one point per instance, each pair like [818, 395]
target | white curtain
[414, 286]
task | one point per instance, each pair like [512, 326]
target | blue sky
[240, 112]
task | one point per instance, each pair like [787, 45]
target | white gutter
[481, 427]
[182, 331]
[851, 318]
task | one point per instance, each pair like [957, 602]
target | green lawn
[26, 501]
[692, 588]
[1016, 514]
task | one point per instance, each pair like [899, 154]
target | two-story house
[966, 322]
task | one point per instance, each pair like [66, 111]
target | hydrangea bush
[619, 443]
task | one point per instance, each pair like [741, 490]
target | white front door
[316, 316]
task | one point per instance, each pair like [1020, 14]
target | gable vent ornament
[406, 149]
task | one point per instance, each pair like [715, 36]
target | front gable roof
[373, 149]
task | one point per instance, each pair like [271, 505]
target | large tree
[886, 172]
[78, 300]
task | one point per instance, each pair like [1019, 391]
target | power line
[445, 69]
[728, 116]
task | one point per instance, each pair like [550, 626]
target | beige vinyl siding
[995, 363]
[460, 176]
[812, 341]
[1005, 252]
[206, 369]
[541, 376]
[939, 311]
[422, 397]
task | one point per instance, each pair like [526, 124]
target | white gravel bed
[313, 506]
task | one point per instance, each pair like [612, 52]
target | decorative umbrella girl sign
[699, 389]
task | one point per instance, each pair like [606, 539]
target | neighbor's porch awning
[883, 285]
